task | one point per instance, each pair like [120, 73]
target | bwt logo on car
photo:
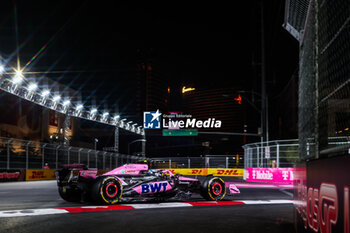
[151, 120]
[154, 188]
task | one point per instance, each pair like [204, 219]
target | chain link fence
[22, 154]
[284, 153]
[281, 153]
[210, 161]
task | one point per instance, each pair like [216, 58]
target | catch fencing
[281, 153]
[209, 161]
[22, 154]
[284, 153]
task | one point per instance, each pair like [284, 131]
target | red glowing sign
[238, 99]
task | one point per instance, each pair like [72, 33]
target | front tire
[107, 190]
[213, 189]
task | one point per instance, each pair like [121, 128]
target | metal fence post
[226, 162]
[79, 154]
[43, 156]
[189, 163]
[69, 154]
[257, 156]
[169, 163]
[110, 161]
[104, 160]
[27, 155]
[96, 158]
[278, 155]
[57, 156]
[88, 158]
[8, 153]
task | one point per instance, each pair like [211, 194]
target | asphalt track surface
[216, 218]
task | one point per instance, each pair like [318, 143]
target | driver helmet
[152, 172]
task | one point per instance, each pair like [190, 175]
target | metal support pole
[144, 145]
[88, 158]
[169, 163]
[278, 155]
[66, 130]
[116, 139]
[8, 153]
[69, 154]
[79, 154]
[57, 156]
[226, 162]
[257, 156]
[43, 156]
[27, 155]
[104, 160]
[189, 162]
[96, 158]
[110, 161]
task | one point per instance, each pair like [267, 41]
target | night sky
[95, 43]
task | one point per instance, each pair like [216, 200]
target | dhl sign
[40, 174]
[208, 171]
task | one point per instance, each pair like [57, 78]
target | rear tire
[107, 190]
[213, 189]
[69, 194]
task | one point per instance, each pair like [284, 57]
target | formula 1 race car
[134, 182]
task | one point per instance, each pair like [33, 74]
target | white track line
[66, 210]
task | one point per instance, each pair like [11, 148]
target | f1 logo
[151, 120]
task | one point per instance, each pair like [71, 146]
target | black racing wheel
[107, 190]
[213, 188]
[68, 194]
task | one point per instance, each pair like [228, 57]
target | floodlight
[93, 111]
[66, 103]
[45, 93]
[18, 78]
[2, 68]
[32, 86]
[105, 114]
[56, 98]
[79, 107]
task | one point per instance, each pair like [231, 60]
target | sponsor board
[270, 175]
[208, 171]
[12, 175]
[40, 174]
[322, 195]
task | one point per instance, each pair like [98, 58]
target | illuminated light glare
[79, 107]
[66, 102]
[346, 129]
[32, 86]
[187, 89]
[123, 119]
[129, 122]
[116, 117]
[134, 124]
[2, 68]
[56, 98]
[105, 114]
[93, 111]
[18, 78]
[239, 99]
[45, 93]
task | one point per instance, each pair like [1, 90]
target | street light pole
[96, 141]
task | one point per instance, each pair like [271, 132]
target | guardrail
[22, 154]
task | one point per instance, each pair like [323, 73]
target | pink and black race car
[134, 182]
